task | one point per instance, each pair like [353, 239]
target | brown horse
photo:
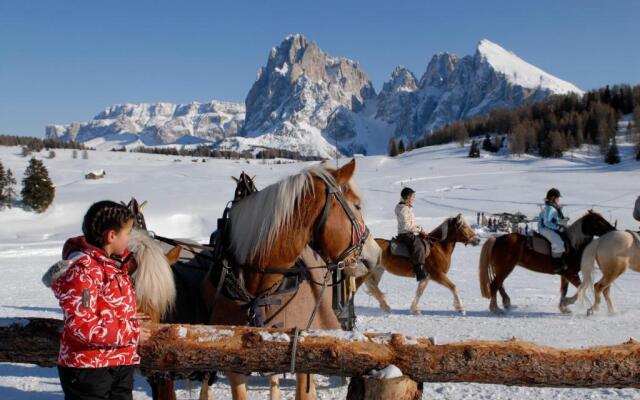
[451, 231]
[499, 256]
[271, 229]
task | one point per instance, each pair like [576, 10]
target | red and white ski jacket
[99, 306]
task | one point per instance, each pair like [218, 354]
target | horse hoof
[462, 312]
[416, 312]
[565, 311]
[589, 312]
[386, 309]
[497, 311]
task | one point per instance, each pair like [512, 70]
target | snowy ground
[185, 198]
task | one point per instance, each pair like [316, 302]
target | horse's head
[462, 231]
[245, 185]
[136, 210]
[340, 233]
[593, 224]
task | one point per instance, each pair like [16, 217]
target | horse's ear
[141, 206]
[173, 255]
[235, 179]
[253, 178]
[344, 174]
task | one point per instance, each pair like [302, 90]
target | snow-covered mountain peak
[520, 72]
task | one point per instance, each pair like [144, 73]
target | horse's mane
[575, 234]
[155, 287]
[258, 219]
[443, 228]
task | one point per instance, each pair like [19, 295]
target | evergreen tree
[613, 155]
[393, 147]
[486, 143]
[400, 146]
[37, 189]
[474, 150]
[52, 154]
[3, 183]
[410, 144]
[9, 193]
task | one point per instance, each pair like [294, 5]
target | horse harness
[230, 284]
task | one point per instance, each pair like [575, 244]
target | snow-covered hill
[309, 101]
[185, 198]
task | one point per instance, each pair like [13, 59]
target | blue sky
[64, 61]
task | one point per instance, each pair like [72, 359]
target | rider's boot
[420, 275]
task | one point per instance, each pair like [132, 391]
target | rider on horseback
[551, 223]
[410, 233]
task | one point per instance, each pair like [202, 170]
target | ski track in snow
[186, 198]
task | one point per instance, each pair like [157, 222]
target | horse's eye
[357, 206]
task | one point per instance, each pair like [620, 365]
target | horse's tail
[486, 269]
[587, 265]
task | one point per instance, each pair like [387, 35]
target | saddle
[399, 248]
[539, 244]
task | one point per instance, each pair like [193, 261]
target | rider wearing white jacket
[410, 233]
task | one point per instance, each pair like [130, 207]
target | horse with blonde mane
[615, 252]
[303, 226]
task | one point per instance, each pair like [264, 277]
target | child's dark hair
[101, 217]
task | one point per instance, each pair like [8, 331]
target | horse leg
[496, 285]
[414, 305]
[610, 307]
[305, 387]
[163, 390]
[606, 287]
[506, 300]
[444, 280]
[205, 391]
[274, 387]
[238, 383]
[372, 286]
[597, 290]
[564, 288]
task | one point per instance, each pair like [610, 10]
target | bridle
[360, 232]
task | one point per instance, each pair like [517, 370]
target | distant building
[95, 174]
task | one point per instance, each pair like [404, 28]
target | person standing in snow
[551, 223]
[98, 346]
[410, 233]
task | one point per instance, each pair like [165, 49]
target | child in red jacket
[98, 346]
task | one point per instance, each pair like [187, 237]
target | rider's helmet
[553, 193]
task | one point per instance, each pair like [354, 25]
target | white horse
[615, 252]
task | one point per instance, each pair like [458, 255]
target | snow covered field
[186, 197]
